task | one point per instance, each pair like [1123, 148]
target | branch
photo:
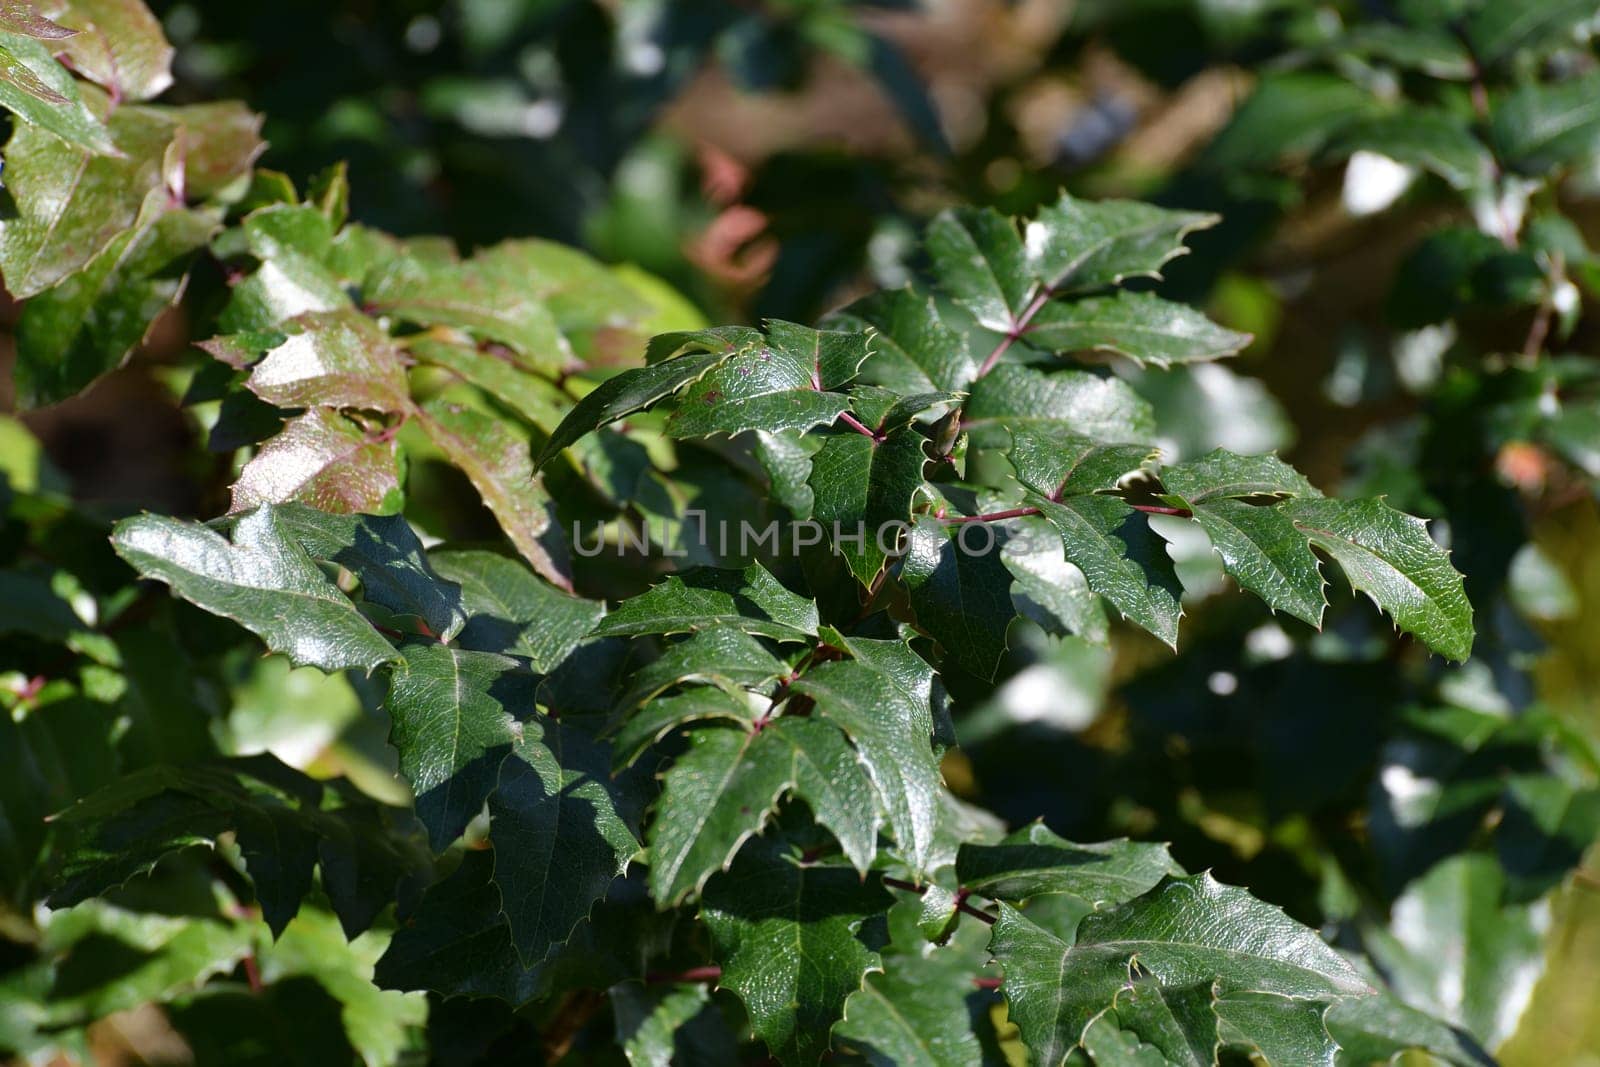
[1018, 328]
[1017, 513]
[961, 899]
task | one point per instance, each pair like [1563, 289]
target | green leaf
[453, 715]
[785, 934]
[628, 392]
[919, 1009]
[563, 830]
[1278, 1029]
[538, 401]
[511, 610]
[119, 45]
[1389, 556]
[962, 597]
[1433, 140]
[336, 359]
[662, 715]
[1077, 245]
[1122, 558]
[1498, 31]
[834, 781]
[751, 600]
[383, 552]
[220, 142]
[1186, 932]
[1375, 1029]
[1142, 326]
[881, 700]
[1292, 113]
[781, 385]
[1034, 861]
[325, 460]
[1457, 949]
[1106, 409]
[41, 92]
[979, 259]
[284, 824]
[1048, 589]
[1266, 553]
[19, 16]
[262, 580]
[1059, 463]
[1223, 474]
[861, 488]
[1540, 126]
[72, 203]
[497, 462]
[91, 321]
[913, 350]
[721, 656]
[649, 1021]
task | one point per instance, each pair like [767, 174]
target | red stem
[1016, 513]
[1018, 328]
[708, 973]
[961, 898]
[987, 983]
[857, 425]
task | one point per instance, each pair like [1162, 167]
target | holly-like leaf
[649, 1022]
[721, 656]
[861, 489]
[783, 384]
[1058, 463]
[1186, 932]
[662, 715]
[919, 1009]
[261, 579]
[751, 600]
[1277, 1029]
[979, 259]
[960, 590]
[453, 716]
[118, 45]
[1008, 397]
[41, 92]
[1078, 245]
[1141, 326]
[1122, 558]
[786, 935]
[1377, 1028]
[1419, 137]
[336, 359]
[563, 830]
[1267, 554]
[511, 610]
[882, 703]
[1388, 555]
[913, 350]
[284, 823]
[497, 462]
[1034, 861]
[325, 460]
[628, 392]
[384, 553]
[1224, 474]
[538, 401]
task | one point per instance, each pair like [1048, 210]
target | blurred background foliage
[774, 158]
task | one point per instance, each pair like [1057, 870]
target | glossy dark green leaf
[1224, 474]
[1033, 861]
[1389, 556]
[511, 610]
[454, 720]
[1374, 1029]
[1267, 554]
[786, 936]
[979, 259]
[913, 350]
[784, 383]
[261, 579]
[628, 392]
[862, 490]
[662, 715]
[1289, 114]
[563, 830]
[1106, 409]
[1141, 326]
[721, 656]
[1058, 463]
[1076, 245]
[1541, 126]
[751, 600]
[960, 590]
[383, 552]
[1432, 140]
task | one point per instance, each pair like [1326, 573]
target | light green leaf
[41, 92]
[262, 579]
